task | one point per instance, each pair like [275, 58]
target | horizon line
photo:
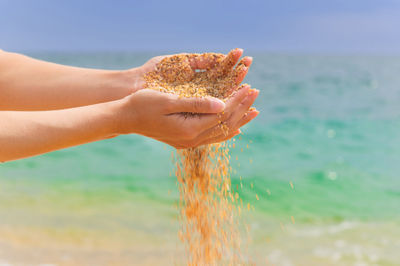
[220, 50]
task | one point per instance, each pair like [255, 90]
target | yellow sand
[208, 203]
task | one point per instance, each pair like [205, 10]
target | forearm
[24, 134]
[30, 84]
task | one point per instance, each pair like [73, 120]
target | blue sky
[361, 26]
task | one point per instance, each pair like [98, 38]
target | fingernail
[252, 92]
[245, 86]
[217, 105]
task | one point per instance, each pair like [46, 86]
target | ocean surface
[329, 126]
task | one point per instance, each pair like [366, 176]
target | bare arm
[30, 84]
[26, 133]
[46, 107]
[27, 84]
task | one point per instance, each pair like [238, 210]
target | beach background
[322, 156]
[328, 124]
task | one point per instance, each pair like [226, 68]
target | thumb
[208, 105]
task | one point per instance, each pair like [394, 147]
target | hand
[238, 112]
[161, 116]
[219, 65]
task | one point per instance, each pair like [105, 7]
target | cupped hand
[218, 65]
[163, 116]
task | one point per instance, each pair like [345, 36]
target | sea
[322, 157]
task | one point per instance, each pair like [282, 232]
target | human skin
[46, 107]
[27, 84]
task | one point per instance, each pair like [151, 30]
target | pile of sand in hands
[208, 204]
[198, 75]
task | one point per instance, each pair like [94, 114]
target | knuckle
[223, 116]
[156, 59]
[197, 105]
[226, 116]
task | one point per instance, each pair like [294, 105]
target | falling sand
[209, 207]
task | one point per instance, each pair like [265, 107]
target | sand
[209, 208]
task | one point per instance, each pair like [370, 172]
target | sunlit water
[328, 124]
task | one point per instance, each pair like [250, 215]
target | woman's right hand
[218, 65]
[164, 116]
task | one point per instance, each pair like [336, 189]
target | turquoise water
[328, 124]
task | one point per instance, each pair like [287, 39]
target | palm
[218, 65]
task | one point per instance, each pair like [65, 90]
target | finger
[240, 73]
[247, 117]
[152, 63]
[237, 78]
[242, 68]
[237, 75]
[231, 59]
[203, 105]
[112, 136]
[220, 138]
[157, 59]
[235, 99]
[231, 124]
[243, 107]
[231, 104]
[247, 61]
[227, 63]
[207, 120]
[204, 61]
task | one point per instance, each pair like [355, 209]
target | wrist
[105, 116]
[121, 83]
[122, 117]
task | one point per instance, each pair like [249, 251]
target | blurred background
[323, 155]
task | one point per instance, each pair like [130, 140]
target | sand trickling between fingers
[209, 208]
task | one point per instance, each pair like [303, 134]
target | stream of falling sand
[209, 205]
